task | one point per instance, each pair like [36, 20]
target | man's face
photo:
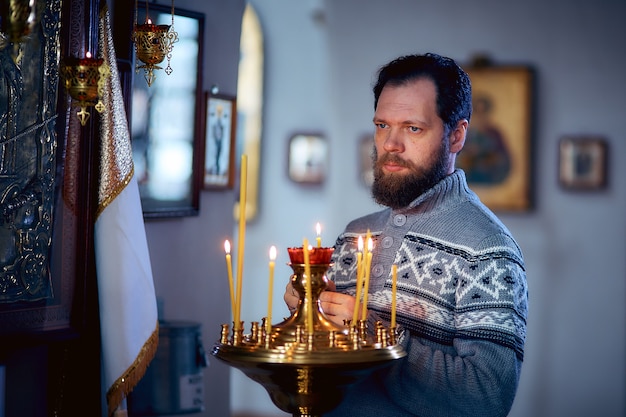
[411, 153]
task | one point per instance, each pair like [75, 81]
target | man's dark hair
[454, 90]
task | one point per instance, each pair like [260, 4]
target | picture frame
[583, 162]
[167, 118]
[366, 167]
[308, 158]
[219, 141]
[497, 155]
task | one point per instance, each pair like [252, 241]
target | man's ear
[457, 137]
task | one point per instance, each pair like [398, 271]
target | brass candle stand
[307, 372]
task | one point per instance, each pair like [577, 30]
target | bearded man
[462, 298]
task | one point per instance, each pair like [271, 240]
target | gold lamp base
[307, 372]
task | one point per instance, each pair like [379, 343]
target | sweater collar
[452, 186]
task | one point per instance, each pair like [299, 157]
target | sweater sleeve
[471, 378]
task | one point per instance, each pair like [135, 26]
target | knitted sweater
[461, 303]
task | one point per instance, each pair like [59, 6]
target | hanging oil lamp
[84, 81]
[18, 19]
[153, 43]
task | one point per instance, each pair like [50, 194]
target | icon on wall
[582, 163]
[219, 155]
[497, 154]
[308, 158]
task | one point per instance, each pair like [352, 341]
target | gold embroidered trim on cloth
[125, 384]
[116, 162]
[104, 203]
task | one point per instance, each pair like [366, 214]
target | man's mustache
[393, 159]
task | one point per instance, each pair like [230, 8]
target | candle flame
[227, 246]
[273, 253]
[360, 243]
[88, 54]
[149, 21]
[370, 244]
[318, 229]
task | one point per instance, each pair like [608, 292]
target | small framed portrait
[219, 135]
[583, 163]
[366, 164]
[308, 158]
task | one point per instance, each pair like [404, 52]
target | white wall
[318, 78]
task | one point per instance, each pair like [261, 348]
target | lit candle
[243, 182]
[271, 287]
[87, 54]
[359, 272]
[309, 295]
[229, 268]
[318, 229]
[394, 285]
[366, 286]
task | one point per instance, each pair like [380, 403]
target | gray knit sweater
[461, 302]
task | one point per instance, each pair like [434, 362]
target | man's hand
[337, 307]
[291, 297]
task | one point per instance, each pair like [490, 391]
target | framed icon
[308, 158]
[366, 165]
[582, 163]
[219, 135]
[497, 154]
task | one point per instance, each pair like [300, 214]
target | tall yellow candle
[366, 285]
[394, 287]
[318, 229]
[229, 268]
[243, 184]
[309, 291]
[359, 282]
[270, 291]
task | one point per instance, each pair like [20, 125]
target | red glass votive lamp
[317, 255]
[81, 79]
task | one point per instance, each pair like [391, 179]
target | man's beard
[399, 190]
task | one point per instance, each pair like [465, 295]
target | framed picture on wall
[582, 163]
[308, 158]
[219, 136]
[366, 168]
[497, 154]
